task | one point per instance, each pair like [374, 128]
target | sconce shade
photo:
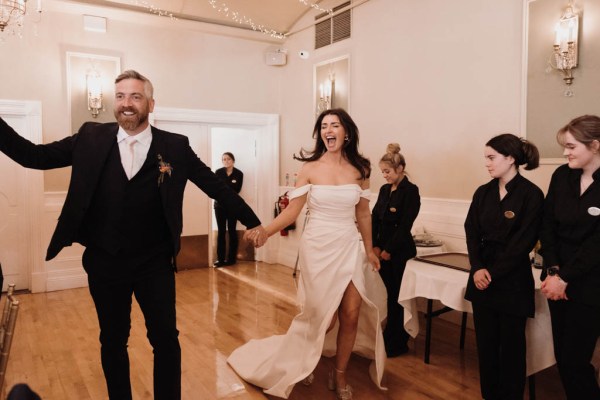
[326, 94]
[566, 40]
[567, 32]
[94, 91]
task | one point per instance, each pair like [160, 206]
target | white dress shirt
[140, 149]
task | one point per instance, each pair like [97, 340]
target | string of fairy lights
[153, 9]
[242, 19]
[234, 15]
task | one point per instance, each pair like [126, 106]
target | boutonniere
[164, 168]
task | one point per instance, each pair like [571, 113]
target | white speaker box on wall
[275, 58]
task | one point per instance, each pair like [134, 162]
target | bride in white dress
[342, 297]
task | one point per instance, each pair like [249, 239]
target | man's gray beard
[129, 123]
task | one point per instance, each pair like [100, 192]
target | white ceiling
[278, 15]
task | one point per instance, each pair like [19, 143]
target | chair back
[7, 329]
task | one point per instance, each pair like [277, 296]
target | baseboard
[66, 279]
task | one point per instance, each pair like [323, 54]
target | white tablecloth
[448, 285]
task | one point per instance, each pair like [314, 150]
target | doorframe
[267, 156]
[32, 191]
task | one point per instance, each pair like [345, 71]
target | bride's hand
[374, 261]
[257, 236]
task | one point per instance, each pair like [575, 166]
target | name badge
[392, 209]
[594, 211]
[509, 214]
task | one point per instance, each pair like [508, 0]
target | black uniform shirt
[393, 216]
[235, 180]
[500, 235]
[570, 235]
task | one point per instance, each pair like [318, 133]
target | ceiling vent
[334, 29]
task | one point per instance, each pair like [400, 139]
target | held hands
[377, 252]
[482, 279]
[554, 288]
[258, 236]
[385, 256]
[382, 255]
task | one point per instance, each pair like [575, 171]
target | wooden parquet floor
[56, 351]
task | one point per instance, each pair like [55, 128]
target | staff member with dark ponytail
[570, 241]
[501, 228]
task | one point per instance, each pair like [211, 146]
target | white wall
[439, 77]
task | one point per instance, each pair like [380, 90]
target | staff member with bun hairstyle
[392, 218]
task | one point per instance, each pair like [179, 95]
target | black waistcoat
[126, 217]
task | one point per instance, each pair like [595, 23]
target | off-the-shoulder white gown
[331, 255]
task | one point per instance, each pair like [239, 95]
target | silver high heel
[340, 393]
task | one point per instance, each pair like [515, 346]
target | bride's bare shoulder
[305, 173]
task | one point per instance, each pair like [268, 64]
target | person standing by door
[124, 204]
[226, 220]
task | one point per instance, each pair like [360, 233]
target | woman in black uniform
[226, 222]
[570, 240]
[394, 213]
[501, 229]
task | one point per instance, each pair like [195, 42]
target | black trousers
[153, 285]
[575, 330]
[22, 391]
[394, 335]
[501, 347]
[226, 224]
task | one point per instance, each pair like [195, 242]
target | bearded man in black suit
[124, 204]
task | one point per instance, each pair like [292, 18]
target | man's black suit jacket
[86, 152]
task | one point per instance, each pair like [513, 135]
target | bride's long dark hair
[350, 148]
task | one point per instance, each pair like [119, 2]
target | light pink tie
[128, 164]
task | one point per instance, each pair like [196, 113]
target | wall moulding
[79, 64]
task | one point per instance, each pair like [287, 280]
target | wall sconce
[326, 93]
[94, 92]
[566, 40]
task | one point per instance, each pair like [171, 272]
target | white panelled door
[21, 192]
